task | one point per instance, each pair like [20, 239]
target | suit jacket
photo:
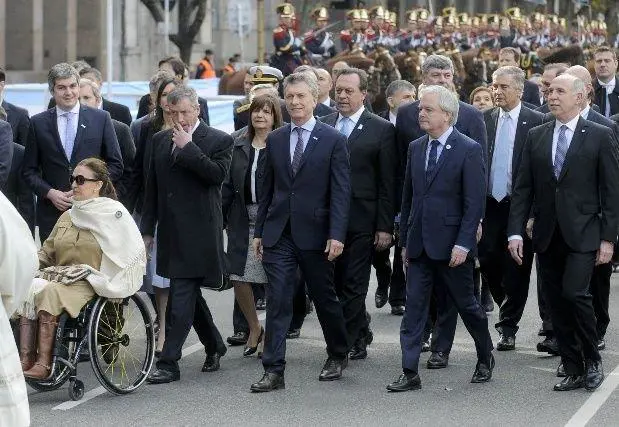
[16, 189]
[183, 200]
[470, 123]
[6, 151]
[117, 111]
[384, 114]
[316, 200]
[600, 97]
[322, 110]
[46, 165]
[127, 152]
[145, 102]
[615, 118]
[530, 94]
[445, 209]
[544, 109]
[583, 202]
[527, 120]
[373, 165]
[19, 120]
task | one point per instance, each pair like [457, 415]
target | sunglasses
[81, 179]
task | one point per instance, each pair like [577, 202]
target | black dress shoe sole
[400, 389]
[163, 381]
[543, 348]
[594, 387]
[436, 366]
[333, 378]
[481, 380]
[266, 390]
[505, 347]
[575, 387]
[358, 356]
[235, 343]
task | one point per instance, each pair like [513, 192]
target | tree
[191, 15]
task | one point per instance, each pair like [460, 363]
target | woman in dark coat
[240, 196]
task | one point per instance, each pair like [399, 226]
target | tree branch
[155, 9]
[194, 28]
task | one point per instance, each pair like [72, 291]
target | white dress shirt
[62, 121]
[392, 117]
[610, 86]
[254, 168]
[585, 112]
[514, 114]
[354, 118]
[442, 141]
[327, 102]
[308, 128]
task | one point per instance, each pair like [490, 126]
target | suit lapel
[447, 149]
[330, 119]
[520, 138]
[358, 129]
[492, 126]
[82, 125]
[577, 142]
[286, 147]
[53, 120]
[311, 144]
[420, 166]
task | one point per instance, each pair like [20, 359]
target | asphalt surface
[520, 392]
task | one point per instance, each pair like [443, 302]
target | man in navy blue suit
[446, 179]
[301, 224]
[61, 137]
[438, 70]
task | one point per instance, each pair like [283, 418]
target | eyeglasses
[81, 179]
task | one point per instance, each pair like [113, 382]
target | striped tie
[298, 151]
[561, 151]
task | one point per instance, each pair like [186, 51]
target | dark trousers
[566, 276]
[544, 310]
[352, 279]
[457, 283]
[390, 282]
[280, 264]
[508, 281]
[600, 291]
[186, 308]
[299, 301]
[239, 322]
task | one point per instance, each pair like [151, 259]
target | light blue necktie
[500, 160]
[345, 128]
[561, 151]
[69, 134]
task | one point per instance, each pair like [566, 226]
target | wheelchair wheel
[121, 341]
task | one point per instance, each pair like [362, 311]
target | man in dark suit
[183, 200]
[607, 83]
[510, 56]
[438, 70]
[391, 281]
[177, 68]
[301, 224]
[16, 189]
[60, 138]
[373, 165]
[570, 167]
[90, 95]
[550, 72]
[442, 206]
[6, 151]
[507, 125]
[16, 116]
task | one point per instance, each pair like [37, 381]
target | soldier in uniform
[319, 42]
[414, 36]
[288, 47]
[375, 33]
[354, 36]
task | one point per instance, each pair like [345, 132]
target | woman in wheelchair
[95, 248]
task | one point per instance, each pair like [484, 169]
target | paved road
[519, 394]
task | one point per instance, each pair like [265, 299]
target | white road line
[593, 404]
[70, 404]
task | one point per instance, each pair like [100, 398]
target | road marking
[593, 404]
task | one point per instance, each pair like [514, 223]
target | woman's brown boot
[47, 332]
[27, 342]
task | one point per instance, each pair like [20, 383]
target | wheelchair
[119, 335]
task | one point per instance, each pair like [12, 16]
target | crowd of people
[312, 190]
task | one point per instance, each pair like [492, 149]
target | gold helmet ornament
[320, 13]
[514, 13]
[393, 18]
[463, 19]
[422, 14]
[285, 10]
[353, 15]
[411, 16]
[378, 12]
[449, 11]
[364, 15]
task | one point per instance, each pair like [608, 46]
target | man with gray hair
[570, 167]
[507, 127]
[189, 164]
[59, 139]
[439, 70]
[442, 205]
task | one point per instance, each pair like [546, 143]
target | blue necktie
[298, 151]
[345, 126]
[561, 151]
[500, 161]
[432, 158]
[69, 134]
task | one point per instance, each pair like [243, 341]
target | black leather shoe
[594, 374]
[358, 351]
[261, 304]
[571, 382]
[380, 300]
[549, 345]
[438, 360]
[561, 371]
[425, 346]
[211, 363]
[483, 371]
[332, 370]
[293, 333]
[405, 382]
[239, 338]
[542, 332]
[506, 343]
[162, 376]
[397, 310]
[270, 381]
[601, 344]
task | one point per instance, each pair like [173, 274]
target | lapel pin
[83, 125]
[360, 127]
[583, 131]
[524, 123]
[448, 147]
[314, 137]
